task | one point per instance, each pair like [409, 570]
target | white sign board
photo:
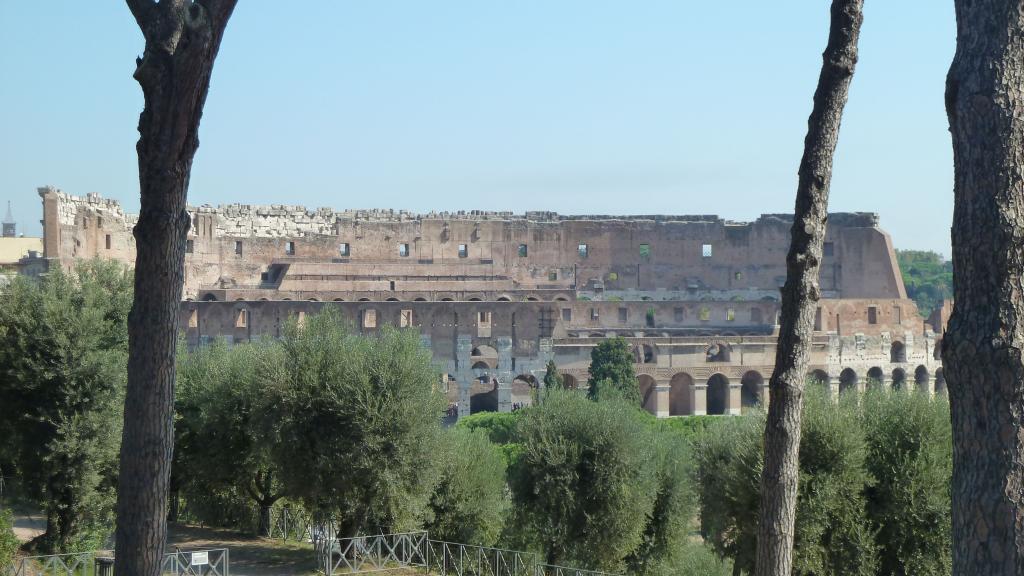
[200, 558]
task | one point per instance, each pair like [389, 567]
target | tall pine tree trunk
[981, 350]
[800, 295]
[182, 38]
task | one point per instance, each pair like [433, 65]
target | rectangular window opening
[369, 318]
[193, 318]
[594, 314]
[705, 314]
[706, 250]
[289, 248]
[552, 276]
[463, 250]
[897, 315]
[645, 251]
[405, 320]
[872, 315]
[679, 314]
[238, 247]
[403, 250]
[583, 250]
[108, 241]
[623, 315]
[242, 320]
[523, 250]
[567, 314]
[189, 246]
[817, 319]
[730, 315]
[343, 249]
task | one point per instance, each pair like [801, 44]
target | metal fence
[386, 552]
[211, 562]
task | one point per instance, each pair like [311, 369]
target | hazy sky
[582, 106]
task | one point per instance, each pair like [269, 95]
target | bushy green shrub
[499, 426]
[833, 535]
[470, 502]
[611, 371]
[910, 456]
[8, 541]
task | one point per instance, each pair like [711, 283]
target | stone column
[465, 387]
[661, 400]
[463, 371]
[505, 376]
[735, 399]
[699, 398]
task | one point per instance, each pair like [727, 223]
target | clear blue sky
[578, 106]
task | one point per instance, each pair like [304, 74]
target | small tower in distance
[9, 226]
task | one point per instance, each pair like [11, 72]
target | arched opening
[899, 379]
[921, 379]
[364, 299]
[531, 299]
[311, 300]
[475, 300]
[446, 300]
[717, 352]
[595, 335]
[561, 299]
[209, 298]
[679, 392]
[648, 393]
[751, 390]
[940, 381]
[420, 299]
[644, 354]
[897, 353]
[393, 300]
[481, 365]
[937, 354]
[875, 378]
[504, 299]
[570, 382]
[847, 380]
[339, 300]
[818, 378]
[718, 394]
[523, 388]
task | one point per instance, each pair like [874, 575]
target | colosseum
[495, 295]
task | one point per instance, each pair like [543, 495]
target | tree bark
[800, 294]
[182, 38]
[981, 350]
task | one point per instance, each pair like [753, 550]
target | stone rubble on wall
[69, 207]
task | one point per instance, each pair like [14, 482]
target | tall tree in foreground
[981, 351]
[182, 38]
[800, 294]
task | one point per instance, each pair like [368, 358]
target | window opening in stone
[238, 247]
[594, 314]
[645, 251]
[730, 315]
[463, 250]
[523, 251]
[705, 314]
[108, 241]
[242, 320]
[369, 319]
[582, 249]
[567, 314]
[189, 246]
[552, 276]
[289, 248]
[678, 314]
[403, 250]
[344, 249]
[623, 315]
[817, 319]
[193, 318]
[872, 315]
[705, 250]
[405, 320]
[897, 314]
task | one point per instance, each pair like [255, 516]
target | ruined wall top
[69, 206]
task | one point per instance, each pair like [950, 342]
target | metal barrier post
[104, 566]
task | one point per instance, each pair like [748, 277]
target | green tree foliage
[362, 425]
[63, 352]
[227, 423]
[8, 541]
[833, 535]
[499, 426]
[552, 379]
[611, 371]
[593, 487]
[910, 456]
[927, 277]
[470, 502]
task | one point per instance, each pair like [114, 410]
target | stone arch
[484, 399]
[818, 377]
[446, 299]
[208, 297]
[751, 389]
[875, 377]
[481, 365]
[897, 352]
[419, 299]
[940, 381]
[679, 392]
[569, 382]
[718, 394]
[595, 335]
[921, 378]
[561, 299]
[392, 299]
[899, 379]
[648, 393]
[339, 300]
[364, 299]
[848, 380]
[504, 298]
[475, 299]
[261, 299]
[937, 354]
[523, 387]
[311, 300]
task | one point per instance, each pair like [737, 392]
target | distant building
[8, 224]
[495, 295]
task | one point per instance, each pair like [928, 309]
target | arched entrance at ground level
[680, 388]
[921, 379]
[718, 394]
[818, 378]
[940, 381]
[897, 353]
[751, 390]
[648, 393]
[899, 379]
[875, 377]
[569, 382]
[483, 395]
[847, 380]
[481, 365]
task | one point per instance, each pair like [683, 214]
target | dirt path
[249, 555]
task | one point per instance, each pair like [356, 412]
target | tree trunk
[800, 294]
[264, 521]
[182, 38]
[981, 350]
